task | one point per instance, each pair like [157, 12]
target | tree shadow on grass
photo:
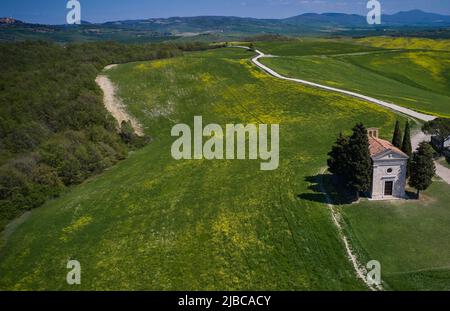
[326, 188]
[411, 195]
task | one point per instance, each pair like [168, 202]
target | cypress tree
[338, 159]
[407, 147]
[422, 168]
[397, 139]
[360, 163]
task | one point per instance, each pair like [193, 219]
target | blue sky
[54, 11]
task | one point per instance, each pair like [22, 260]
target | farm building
[389, 168]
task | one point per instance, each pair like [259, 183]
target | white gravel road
[441, 171]
[416, 139]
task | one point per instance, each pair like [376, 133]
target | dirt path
[442, 172]
[114, 104]
[11, 228]
[360, 270]
[419, 137]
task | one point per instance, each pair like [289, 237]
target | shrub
[127, 132]
[12, 183]
[54, 129]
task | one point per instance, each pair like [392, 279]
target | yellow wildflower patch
[76, 226]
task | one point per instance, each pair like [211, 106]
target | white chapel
[389, 168]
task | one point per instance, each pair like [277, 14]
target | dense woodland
[54, 129]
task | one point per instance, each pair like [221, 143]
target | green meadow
[406, 43]
[154, 223]
[415, 78]
[314, 46]
[408, 238]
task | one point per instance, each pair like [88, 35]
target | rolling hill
[154, 223]
[287, 25]
[415, 23]
[413, 73]
[407, 237]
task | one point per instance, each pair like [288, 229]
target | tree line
[350, 161]
[54, 128]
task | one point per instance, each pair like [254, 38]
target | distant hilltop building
[389, 168]
[9, 21]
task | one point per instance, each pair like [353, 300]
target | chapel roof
[378, 146]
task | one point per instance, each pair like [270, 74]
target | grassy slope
[154, 223]
[313, 46]
[406, 43]
[409, 238]
[416, 79]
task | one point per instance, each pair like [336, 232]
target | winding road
[441, 171]
[406, 111]
[416, 139]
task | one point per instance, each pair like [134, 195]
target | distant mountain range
[288, 25]
[409, 18]
[305, 24]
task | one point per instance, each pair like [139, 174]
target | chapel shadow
[327, 189]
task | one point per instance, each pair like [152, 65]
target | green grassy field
[406, 43]
[153, 223]
[314, 46]
[415, 79]
[408, 238]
